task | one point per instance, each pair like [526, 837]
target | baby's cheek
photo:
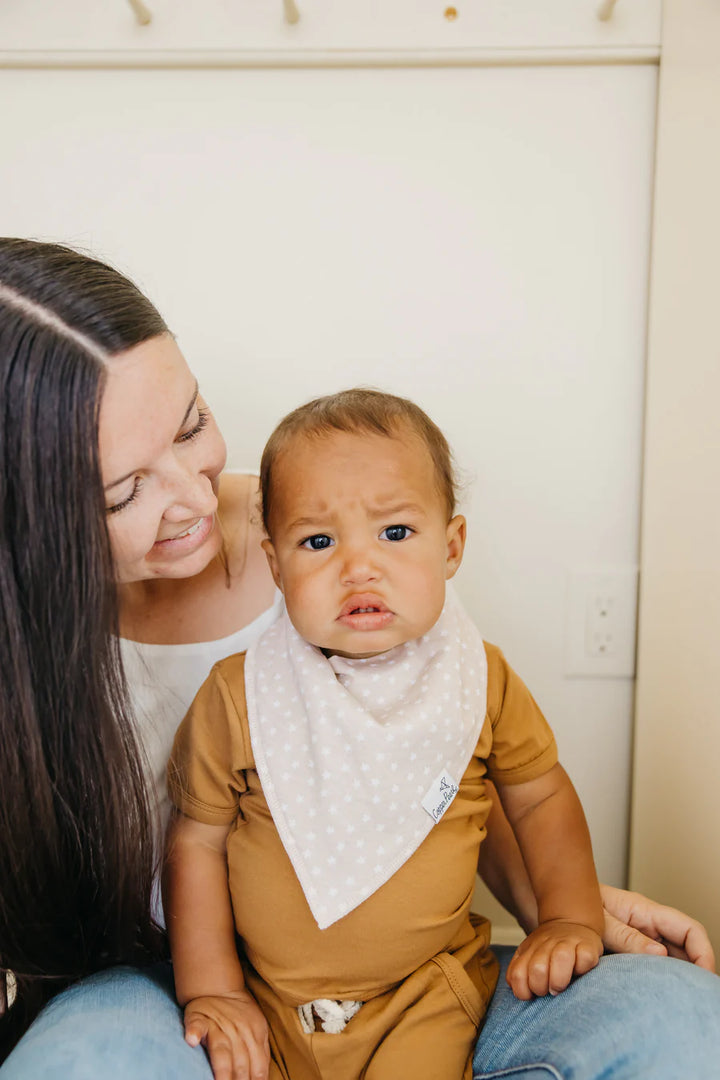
[300, 608]
[431, 599]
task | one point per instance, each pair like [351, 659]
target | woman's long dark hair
[76, 834]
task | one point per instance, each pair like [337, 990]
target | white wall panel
[474, 238]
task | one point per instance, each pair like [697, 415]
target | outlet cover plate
[601, 622]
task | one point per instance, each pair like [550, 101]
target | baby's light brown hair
[359, 410]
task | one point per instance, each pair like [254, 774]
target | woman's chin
[183, 557]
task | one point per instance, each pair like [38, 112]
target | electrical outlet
[601, 622]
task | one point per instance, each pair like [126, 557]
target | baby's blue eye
[318, 542]
[396, 532]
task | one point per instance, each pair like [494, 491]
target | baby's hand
[234, 1032]
[549, 957]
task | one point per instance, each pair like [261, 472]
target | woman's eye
[202, 421]
[396, 532]
[318, 542]
[117, 507]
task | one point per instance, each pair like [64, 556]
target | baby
[331, 784]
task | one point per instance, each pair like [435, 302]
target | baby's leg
[424, 1029]
[430, 1025]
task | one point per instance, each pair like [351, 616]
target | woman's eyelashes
[186, 436]
[202, 421]
[116, 507]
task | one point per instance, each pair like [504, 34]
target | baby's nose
[360, 566]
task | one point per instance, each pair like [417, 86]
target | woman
[127, 567]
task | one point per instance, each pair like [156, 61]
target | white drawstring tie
[333, 1015]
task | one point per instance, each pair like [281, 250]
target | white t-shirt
[164, 679]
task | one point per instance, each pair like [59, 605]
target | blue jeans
[630, 1018]
[640, 1017]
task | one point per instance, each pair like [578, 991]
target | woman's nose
[191, 495]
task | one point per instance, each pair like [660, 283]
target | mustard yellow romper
[412, 952]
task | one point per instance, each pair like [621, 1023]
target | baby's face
[361, 547]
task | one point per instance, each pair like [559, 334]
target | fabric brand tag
[439, 795]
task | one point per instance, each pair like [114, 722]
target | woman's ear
[267, 546]
[456, 532]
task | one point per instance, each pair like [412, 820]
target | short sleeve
[206, 771]
[523, 745]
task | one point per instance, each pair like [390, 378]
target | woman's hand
[635, 924]
[234, 1032]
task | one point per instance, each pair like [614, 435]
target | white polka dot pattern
[346, 750]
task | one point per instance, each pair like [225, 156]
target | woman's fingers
[636, 924]
[696, 948]
[619, 937]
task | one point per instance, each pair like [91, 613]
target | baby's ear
[268, 548]
[456, 532]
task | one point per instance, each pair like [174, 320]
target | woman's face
[161, 455]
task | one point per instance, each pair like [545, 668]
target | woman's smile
[188, 540]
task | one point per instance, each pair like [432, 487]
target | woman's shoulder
[238, 495]
[240, 517]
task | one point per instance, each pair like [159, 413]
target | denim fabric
[639, 1017]
[635, 1017]
[119, 1025]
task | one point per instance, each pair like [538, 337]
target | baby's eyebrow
[393, 509]
[305, 523]
[322, 518]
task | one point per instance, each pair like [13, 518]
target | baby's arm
[501, 866]
[219, 1012]
[633, 922]
[548, 821]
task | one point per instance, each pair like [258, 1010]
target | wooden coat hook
[292, 12]
[142, 12]
[604, 12]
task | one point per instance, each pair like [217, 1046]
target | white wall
[474, 238]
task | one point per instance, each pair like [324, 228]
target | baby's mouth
[362, 605]
[365, 613]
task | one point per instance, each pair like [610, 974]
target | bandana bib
[359, 759]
